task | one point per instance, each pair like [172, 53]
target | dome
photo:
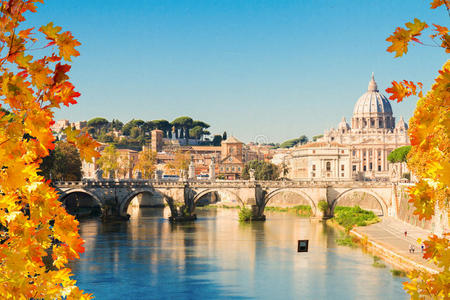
[372, 103]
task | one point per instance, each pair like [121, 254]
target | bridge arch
[125, 202]
[65, 194]
[202, 193]
[378, 198]
[299, 192]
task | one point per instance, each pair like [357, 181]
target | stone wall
[287, 199]
[363, 200]
[406, 209]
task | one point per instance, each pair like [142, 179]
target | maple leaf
[60, 73]
[401, 37]
[437, 3]
[50, 31]
[67, 45]
[401, 90]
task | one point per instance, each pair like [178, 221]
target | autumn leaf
[401, 37]
[437, 3]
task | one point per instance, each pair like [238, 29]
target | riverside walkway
[388, 237]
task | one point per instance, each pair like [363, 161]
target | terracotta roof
[232, 140]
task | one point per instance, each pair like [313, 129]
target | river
[218, 258]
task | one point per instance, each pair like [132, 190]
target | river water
[218, 258]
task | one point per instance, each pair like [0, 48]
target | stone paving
[390, 233]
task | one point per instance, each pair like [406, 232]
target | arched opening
[365, 200]
[138, 200]
[286, 198]
[217, 197]
[81, 204]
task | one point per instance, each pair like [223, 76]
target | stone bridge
[114, 196]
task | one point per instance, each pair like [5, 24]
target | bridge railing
[219, 183]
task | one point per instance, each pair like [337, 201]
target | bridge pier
[185, 212]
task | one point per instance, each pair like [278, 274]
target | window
[313, 174]
[239, 168]
[354, 168]
[221, 168]
[342, 174]
[328, 166]
[228, 169]
[342, 167]
[354, 152]
[372, 123]
[342, 151]
[364, 168]
[314, 151]
[370, 166]
[379, 168]
[232, 168]
[314, 167]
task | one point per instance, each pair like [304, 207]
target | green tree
[126, 130]
[263, 170]
[183, 124]
[217, 140]
[116, 124]
[109, 160]
[98, 124]
[399, 154]
[163, 125]
[316, 137]
[63, 163]
[146, 163]
[293, 142]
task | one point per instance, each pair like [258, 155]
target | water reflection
[217, 257]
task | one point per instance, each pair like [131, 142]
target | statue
[212, 170]
[251, 172]
[138, 174]
[99, 174]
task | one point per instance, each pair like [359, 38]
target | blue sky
[278, 69]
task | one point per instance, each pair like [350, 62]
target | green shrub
[351, 216]
[300, 210]
[346, 241]
[398, 273]
[377, 263]
[399, 154]
[323, 206]
[245, 214]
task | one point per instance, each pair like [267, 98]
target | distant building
[373, 134]
[157, 140]
[232, 161]
[359, 151]
[320, 161]
[60, 125]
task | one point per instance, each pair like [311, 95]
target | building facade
[320, 161]
[358, 151]
[372, 135]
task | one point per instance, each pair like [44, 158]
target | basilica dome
[372, 103]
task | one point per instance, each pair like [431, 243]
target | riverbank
[387, 241]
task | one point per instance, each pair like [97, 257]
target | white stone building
[373, 134]
[319, 161]
[358, 151]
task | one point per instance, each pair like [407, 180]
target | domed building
[372, 135]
